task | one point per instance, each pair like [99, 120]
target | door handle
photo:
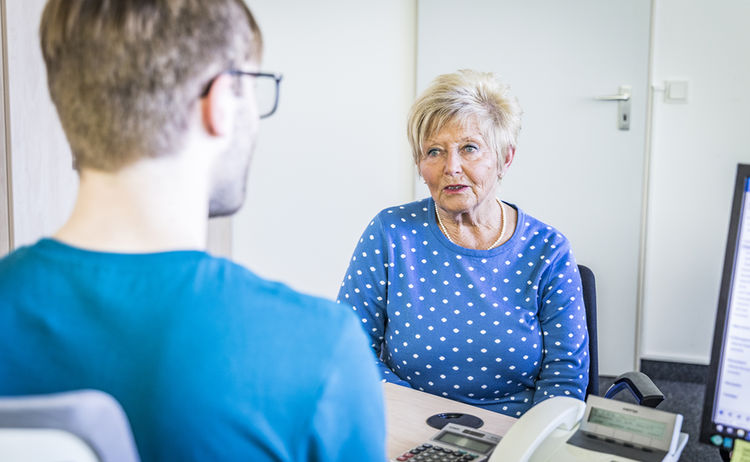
[623, 106]
[624, 95]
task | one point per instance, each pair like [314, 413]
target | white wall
[335, 153]
[696, 146]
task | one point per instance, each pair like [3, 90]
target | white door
[574, 168]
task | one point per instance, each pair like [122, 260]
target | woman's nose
[452, 163]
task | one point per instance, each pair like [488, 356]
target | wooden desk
[407, 411]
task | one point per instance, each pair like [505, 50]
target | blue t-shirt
[209, 361]
[501, 329]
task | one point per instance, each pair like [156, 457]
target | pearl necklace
[494, 244]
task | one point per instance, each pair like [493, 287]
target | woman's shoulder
[530, 229]
[405, 213]
[411, 209]
[538, 240]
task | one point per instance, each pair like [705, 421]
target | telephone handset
[563, 429]
[536, 426]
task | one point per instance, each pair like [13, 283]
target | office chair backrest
[588, 287]
[643, 389]
[90, 417]
[43, 445]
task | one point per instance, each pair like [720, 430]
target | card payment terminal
[454, 443]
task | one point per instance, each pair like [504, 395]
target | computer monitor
[726, 410]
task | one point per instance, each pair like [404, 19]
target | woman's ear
[218, 106]
[509, 155]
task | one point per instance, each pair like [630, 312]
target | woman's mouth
[454, 188]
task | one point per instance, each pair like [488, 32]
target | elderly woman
[462, 294]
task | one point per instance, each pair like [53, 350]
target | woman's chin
[455, 205]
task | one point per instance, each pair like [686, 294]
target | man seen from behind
[210, 362]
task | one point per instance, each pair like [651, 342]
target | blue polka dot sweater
[501, 329]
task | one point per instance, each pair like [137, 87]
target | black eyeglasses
[266, 89]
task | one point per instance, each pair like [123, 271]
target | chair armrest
[640, 385]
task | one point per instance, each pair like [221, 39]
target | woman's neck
[484, 229]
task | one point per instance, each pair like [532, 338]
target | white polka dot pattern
[502, 328]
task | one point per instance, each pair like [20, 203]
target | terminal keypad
[433, 453]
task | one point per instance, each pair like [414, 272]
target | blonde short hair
[460, 96]
[124, 74]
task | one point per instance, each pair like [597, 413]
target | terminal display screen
[732, 407]
[464, 442]
[629, 423]
[726, 409]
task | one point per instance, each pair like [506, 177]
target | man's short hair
[126, 74]
[460, 96]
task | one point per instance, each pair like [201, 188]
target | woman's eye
[433, 152]
[470, 148]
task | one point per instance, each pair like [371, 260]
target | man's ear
[218, 106]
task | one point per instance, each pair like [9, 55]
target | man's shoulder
[16, 265]
[246, 290]
[17, 255]
[207, 282]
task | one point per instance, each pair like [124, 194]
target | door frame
[647, 154]
[6, 191]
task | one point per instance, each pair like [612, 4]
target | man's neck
[151, 206]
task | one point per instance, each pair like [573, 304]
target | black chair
[588, 287]
[644, 390]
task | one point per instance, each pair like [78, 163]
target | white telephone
[563, 429]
